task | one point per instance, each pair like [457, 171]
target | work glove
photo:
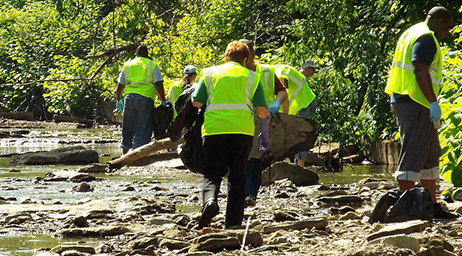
[120, 105]
[435, 111]
[263, 138]
[274, 108]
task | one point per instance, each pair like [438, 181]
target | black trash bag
[161, 118]
[413, 204]
[191, 152]
[382, 206]
[186, 114]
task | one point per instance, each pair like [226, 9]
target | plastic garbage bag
[413, 204]
[161, 118]
[191, 152]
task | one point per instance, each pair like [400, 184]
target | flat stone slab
[400, 228]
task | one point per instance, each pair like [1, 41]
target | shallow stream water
[20, 185]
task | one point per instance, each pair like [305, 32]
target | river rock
[217, 244]
[299, 176]
[95, 168]
[289, 134]
[283, 216]
[69, 156]
[83, 187]
[72, 176]
[400, 228]
[401, 241]
[62, 248]
[341, 200]
[103, 231]
[319, 223]
[173, 244]
[144, 242]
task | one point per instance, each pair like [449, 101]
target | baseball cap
[309, 63]
[190, 69]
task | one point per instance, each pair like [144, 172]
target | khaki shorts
[420, 147]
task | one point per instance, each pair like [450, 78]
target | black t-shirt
[423, 50]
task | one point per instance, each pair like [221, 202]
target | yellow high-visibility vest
[138, 77]
[267, 80]
[402, 78]
[299, 92]
[174, 92]
[230, 91]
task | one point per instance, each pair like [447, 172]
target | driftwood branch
[142, 151]
[46, 80]
[114, 51]
[109, 54]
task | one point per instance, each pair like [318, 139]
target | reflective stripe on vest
[229, 106]
[409, 67]
[299, 92]
[402, 79]
[230, 89]
[267, 81]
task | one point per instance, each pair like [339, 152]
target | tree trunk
[142, 151]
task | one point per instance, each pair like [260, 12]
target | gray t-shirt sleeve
[156, 75]
[424, 49]
[121, 79]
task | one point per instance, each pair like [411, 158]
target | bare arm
[282, 97]
[197, 104]
[160, 89]
[424, 80]
[120, 91]
[262, 112]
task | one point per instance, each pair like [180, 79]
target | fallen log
[142, 151]
[28, 116]
[59, 118]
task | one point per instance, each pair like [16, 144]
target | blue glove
[263, 138]
[274, 108]
[435, 112]
[120, 105]
[163, 103]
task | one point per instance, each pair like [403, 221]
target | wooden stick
[245, 234]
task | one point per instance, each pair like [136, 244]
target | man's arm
[424, 80]
[160, 90]
[120, 91]
[262, 112]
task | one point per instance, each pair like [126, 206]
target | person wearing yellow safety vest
[177, 87]
[138, 83]
[275, 93]
[302, 100]
[230, 92]
[414, 84]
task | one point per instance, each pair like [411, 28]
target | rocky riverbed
[142, 213]
[287, 220]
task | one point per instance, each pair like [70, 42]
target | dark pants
[253, 177]
[226, 154]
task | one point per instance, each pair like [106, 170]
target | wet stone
[83, 187]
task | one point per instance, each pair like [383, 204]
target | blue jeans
[253, 172]
[306, 112]
[136, 121]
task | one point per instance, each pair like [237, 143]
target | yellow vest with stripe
[230, 92]
[138, 77]
[267, 81]
[175, 91]
[299, 92]
[402, 78]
